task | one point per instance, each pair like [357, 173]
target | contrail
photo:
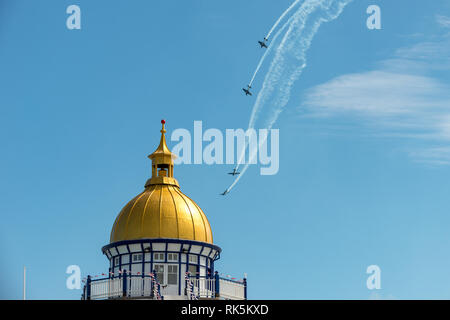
[290, 60]
[255, 110]
[281, 18]
[274, 39]
[302, 13]
[258, 67]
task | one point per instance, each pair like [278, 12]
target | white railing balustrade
[203, 287]
[106, 288]
[137, 286]
[231, 289]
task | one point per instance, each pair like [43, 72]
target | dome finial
[162, 162]
[162, 148]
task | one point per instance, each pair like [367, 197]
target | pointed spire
[162, 148]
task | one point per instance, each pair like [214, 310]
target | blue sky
[364, 142]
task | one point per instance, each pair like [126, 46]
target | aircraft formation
[264, 45]
[275, 77]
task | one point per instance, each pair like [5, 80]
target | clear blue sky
[364, 142]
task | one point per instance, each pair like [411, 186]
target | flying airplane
[247, 91]
[263, 43]
[224, 193]
[234, 172]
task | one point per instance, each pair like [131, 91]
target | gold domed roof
[162, 210]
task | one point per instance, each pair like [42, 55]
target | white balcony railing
[146, 287]
[106, 289]
[203, 287]
[113, 288]
[232, 290]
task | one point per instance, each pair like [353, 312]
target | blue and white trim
[169, 258]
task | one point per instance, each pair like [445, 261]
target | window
[158, 256]
[166, 274]
[192, 270]
[193, 259]
[159, 269]
[137, 257]
[172, 257]
[116, 261]
[172, 274]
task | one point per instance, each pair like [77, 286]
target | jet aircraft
[263, 44]
[247, 91]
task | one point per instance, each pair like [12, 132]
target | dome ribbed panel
[161, 211]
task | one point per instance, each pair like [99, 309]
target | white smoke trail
[283, 72]
[255, 110]
[266, 52]
[258, 67]
[281, 17]
[307, 8]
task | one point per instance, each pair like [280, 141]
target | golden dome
[162, 210]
